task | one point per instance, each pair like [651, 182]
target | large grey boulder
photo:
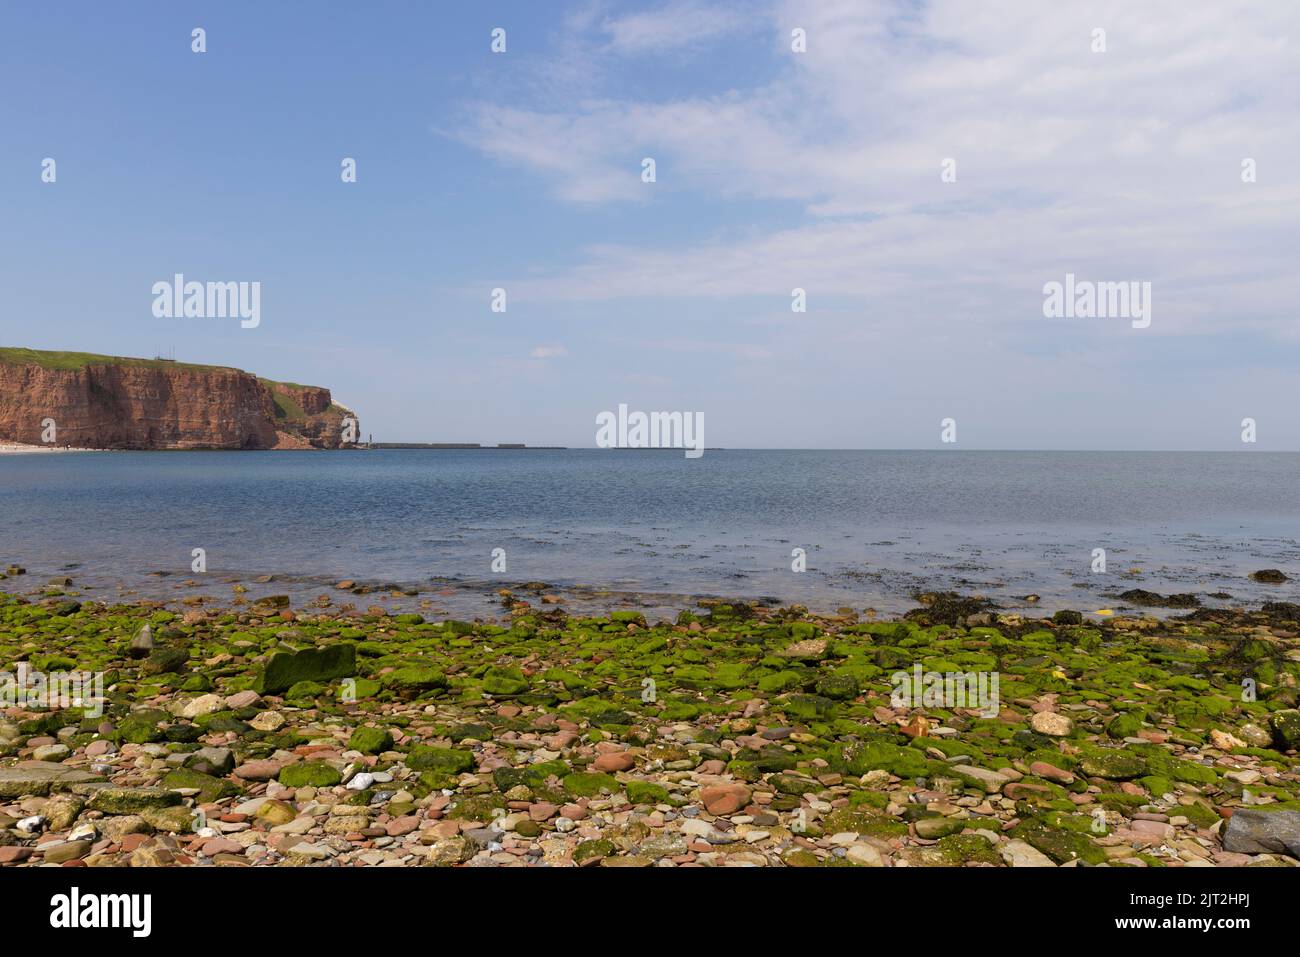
[1263, 832]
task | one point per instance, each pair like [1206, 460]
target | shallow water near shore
[653, 529]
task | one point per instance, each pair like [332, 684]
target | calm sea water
[876, 526]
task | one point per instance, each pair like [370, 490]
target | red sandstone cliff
[308, 417]
[111, 403]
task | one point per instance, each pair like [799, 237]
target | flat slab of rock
[40, 779]
[1051, 723]
[1263, 832]
[990, 781]
[810, 649]
[1020, 854]
[125, 800]
[263, 770]
[285, 669]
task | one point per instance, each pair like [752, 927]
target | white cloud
[548, 352]
[674, 26]
[1116, 165]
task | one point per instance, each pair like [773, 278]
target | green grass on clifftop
[79, 360]
[70, 361]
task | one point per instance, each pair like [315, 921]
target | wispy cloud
[1122, 164]
[548, 352]
[681, 24]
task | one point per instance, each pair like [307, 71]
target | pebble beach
[266, 735]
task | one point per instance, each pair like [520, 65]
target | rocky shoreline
[264, 735]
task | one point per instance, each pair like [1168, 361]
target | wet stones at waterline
[772, 739]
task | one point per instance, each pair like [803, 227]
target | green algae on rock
[310, 774]
[771, 737]
[284, 669]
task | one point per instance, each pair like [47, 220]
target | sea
[446, 530]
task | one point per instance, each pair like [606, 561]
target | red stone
[723, 799]
[614, 761]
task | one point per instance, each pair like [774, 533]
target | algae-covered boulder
[864, 821]
[956, 850]
[504, 682]
[1192, 773]
[779, 681]
[589, 783]
[310, 774]
[141, 727]
[172, 820]
[370, 740]
[808, 707]
[1112, 765]
[753, 766]
[860, 757]
[643, 792]
[933, 828]
[793, 784]
[304, 693]
[444, 760]
[1286, 729]
[534, 776]
[285, 669]
[1060, 845]
[465, 732]
[449, 852]
[1269, 576]
[839, 687]
[210, 788]
[799, 857]
[476, 807]
[128, 800]
[163, 661]
[415, 678]
[1125, 725]
[211, 760]
[593, 850]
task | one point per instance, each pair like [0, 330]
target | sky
[1115, 156]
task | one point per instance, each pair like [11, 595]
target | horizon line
[470, 447]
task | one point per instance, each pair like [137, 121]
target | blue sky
[775, 170]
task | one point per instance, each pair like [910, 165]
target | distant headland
[79, 400]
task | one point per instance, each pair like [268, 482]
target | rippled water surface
[876, 526]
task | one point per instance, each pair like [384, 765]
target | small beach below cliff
[20, 448]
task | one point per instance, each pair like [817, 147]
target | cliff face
[307, 417]
[109, 403]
